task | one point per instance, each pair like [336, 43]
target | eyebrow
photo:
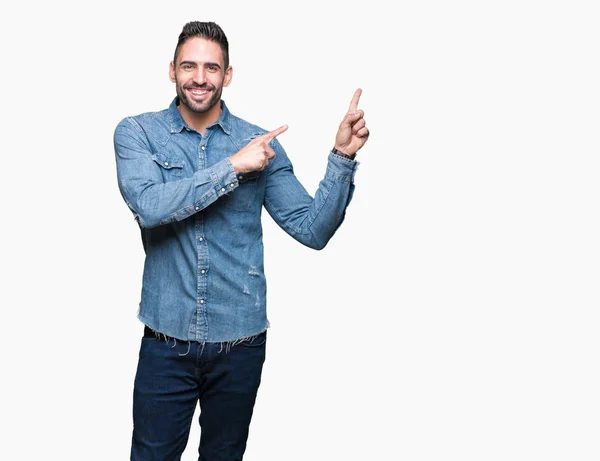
[216, 64]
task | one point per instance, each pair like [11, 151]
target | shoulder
[159, 119]
[245, 129]
[146, 127]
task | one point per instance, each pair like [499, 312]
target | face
[199, 74]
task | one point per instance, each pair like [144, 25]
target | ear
[228, 76]
[172, 71]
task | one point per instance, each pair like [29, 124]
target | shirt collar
[178, 124]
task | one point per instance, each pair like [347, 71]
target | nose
[200, 75]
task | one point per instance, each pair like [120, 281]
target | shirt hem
[232, 340]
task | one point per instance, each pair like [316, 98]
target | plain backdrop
[454, 315]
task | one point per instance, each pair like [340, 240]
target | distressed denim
[201, 226]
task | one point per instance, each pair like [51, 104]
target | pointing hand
[353, 132]
[257, 154]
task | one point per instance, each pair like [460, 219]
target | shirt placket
[202, 251]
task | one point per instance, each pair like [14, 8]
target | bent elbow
[316, 243]
[148, 216]
[147, 220]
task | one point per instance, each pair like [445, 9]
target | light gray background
[454, 316]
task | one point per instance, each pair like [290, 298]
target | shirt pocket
[171, 167]
[243, 196]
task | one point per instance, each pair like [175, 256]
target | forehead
[197, 49]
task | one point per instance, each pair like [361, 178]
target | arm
[313, 221]
[152, 201]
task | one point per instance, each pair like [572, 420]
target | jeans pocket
[149, 339]
[254, 342]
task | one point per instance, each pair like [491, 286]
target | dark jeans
[173, 375]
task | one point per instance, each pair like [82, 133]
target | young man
[196, 178]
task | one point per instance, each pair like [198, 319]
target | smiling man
[199, 95]
[196, 178]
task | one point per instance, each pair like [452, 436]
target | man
[196, 178]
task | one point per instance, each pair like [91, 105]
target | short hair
[207, 30]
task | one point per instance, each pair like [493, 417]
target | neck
[197, 121]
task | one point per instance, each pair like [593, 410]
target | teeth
[198, 92]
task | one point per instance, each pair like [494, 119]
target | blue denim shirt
[201, 224]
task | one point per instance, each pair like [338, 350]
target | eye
[187, 67]
[213, 68]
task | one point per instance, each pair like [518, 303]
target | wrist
[236, 168]
[336, 151]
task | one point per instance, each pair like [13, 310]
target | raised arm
[313, 221]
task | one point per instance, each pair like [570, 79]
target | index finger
[354, 102]
[273, 134]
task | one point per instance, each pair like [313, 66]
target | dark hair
[207, 30]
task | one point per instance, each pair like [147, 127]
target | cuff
[223, 177]
[341, 168]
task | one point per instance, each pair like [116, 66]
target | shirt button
[166, 163]
[203, 271]
[222, 189]
[201, 239]
[197, 208]
[231, 185]
[240, 176]
[203, 148]
[201, 301]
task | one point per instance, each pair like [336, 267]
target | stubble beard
[202, 107]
